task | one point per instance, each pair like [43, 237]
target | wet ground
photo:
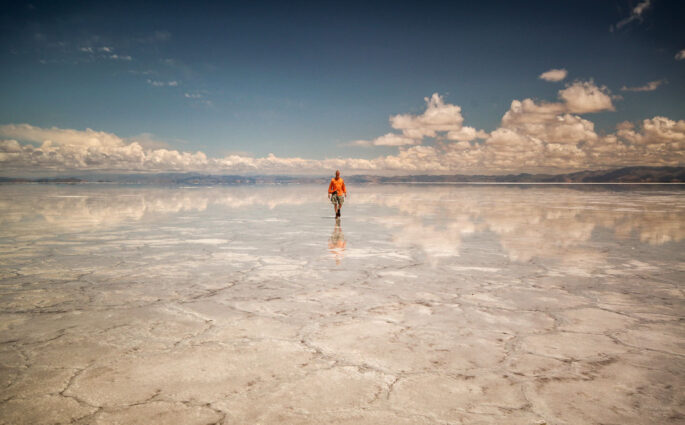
[477, 304]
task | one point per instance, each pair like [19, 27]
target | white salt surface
[424, 305]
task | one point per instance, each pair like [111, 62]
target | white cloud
[389, 139]
[680, 55]
[553, 75]
[439, 120]
[120, 57]
[392, 139]
[650, 86]
[556, 122]
[660, 141]
[548, 121]
[550, 137]
[197, 98]
[59, 136]
[584, 97]
[466, 134]
[528, 112]
[534, 136]
[438, 116]
[148, 141]
[656, 131]
[635, 14]
[65, 149]
[157, 83]
[105, 52]
[641, 7]
[364, 143]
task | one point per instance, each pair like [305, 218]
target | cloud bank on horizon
[303, 88]
[533, 136]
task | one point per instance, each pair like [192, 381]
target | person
[337, 193]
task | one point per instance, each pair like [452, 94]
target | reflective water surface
[423, 304]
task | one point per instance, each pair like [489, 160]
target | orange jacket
[337, 186]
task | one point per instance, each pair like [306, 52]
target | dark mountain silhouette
[620, 175]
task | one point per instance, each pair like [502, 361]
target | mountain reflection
[528, 222]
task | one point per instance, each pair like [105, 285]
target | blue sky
[320, 80]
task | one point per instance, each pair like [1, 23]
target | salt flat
[427, 304]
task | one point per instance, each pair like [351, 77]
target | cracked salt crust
[448, 304]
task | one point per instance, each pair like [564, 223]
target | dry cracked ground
[425, 305]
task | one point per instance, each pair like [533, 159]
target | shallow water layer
[423, 305]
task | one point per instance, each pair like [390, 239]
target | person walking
[337, 192]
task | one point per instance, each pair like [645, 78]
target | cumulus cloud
[680, 55]
[533, 136]
[551, 136]
[553, 75]
[656, 141]
[554, 126]
[656, 131]
[440, 119]
[59, 136]
[547, 121]
[565, 142]
[635, 14]
[438, 116]
[585, 97]
[66, 149]
[73, 150]
[650, 86]
[148, 141]
[466, 134]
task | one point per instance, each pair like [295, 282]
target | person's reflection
[337, 243]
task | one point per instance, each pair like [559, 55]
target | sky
[368, 87]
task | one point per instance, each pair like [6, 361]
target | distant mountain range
[621, 175]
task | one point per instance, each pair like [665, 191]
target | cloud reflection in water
[528, 222]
